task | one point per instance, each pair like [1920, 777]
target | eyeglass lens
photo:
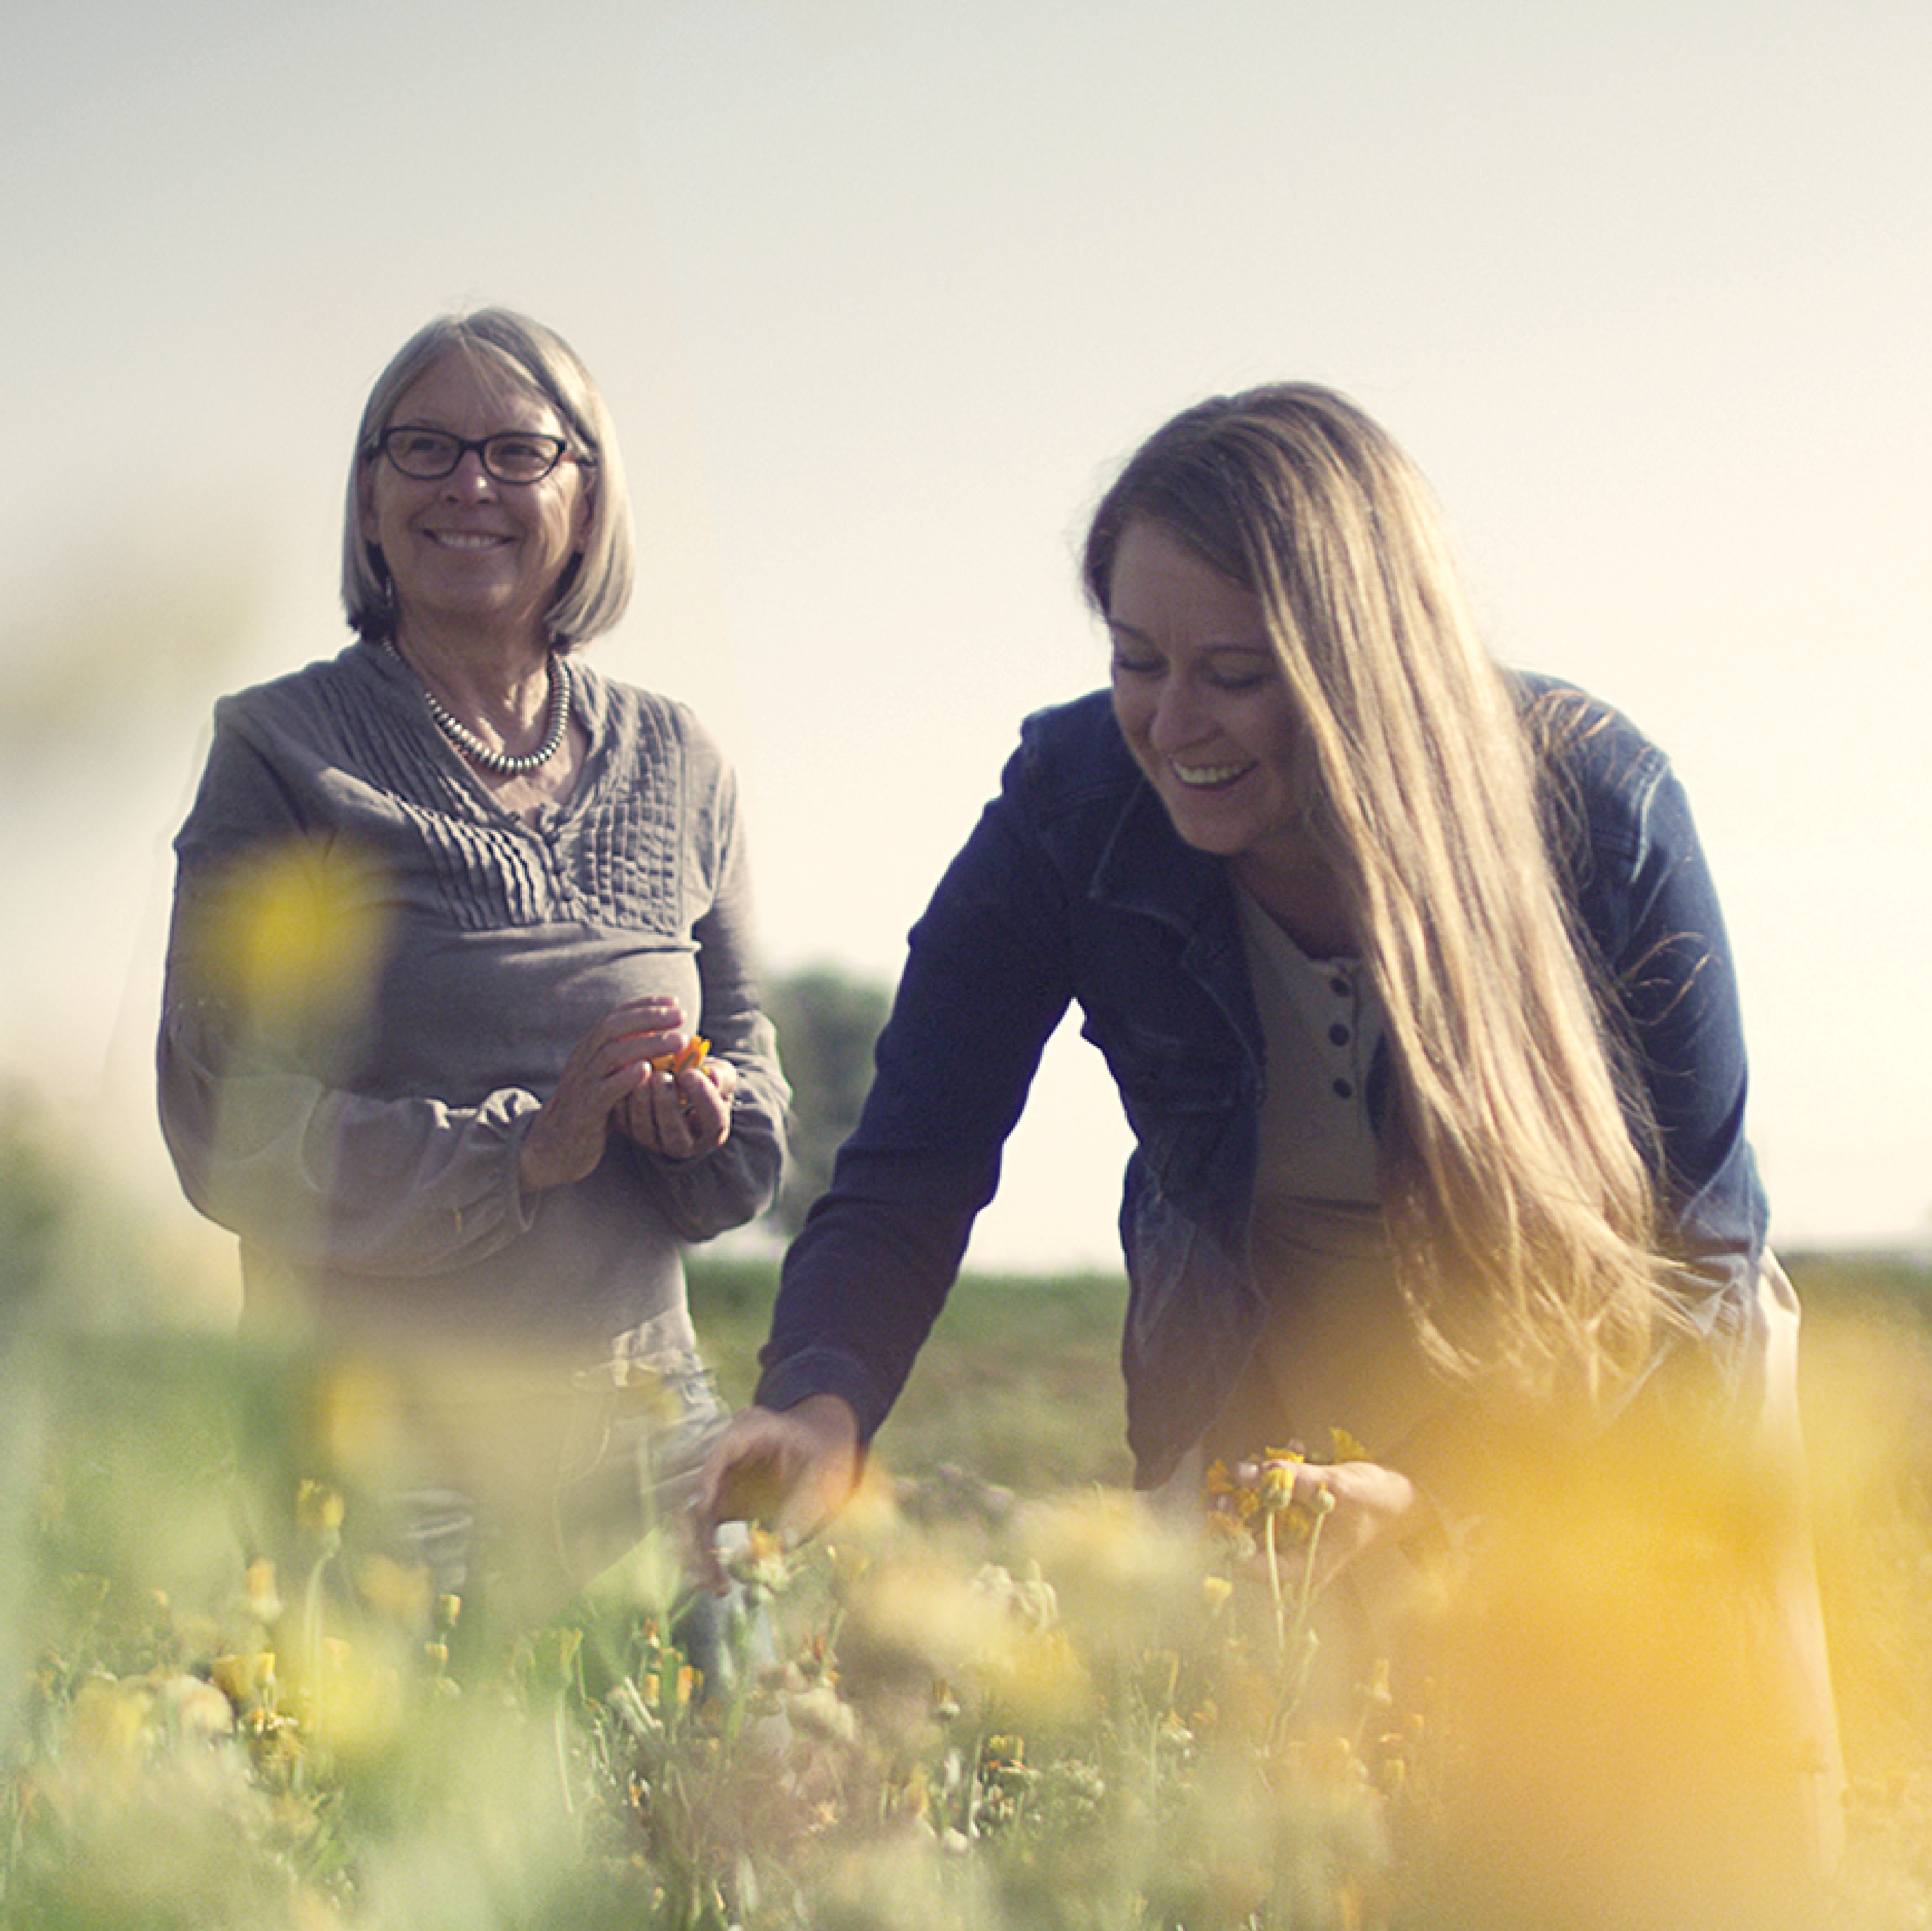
[510, 456]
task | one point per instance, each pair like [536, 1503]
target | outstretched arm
[986, 981]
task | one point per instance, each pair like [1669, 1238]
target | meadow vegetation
[992, 1698]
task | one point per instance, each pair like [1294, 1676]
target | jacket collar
[1145, 869]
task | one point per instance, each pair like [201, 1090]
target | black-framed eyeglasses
[511, 456]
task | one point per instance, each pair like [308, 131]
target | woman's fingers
[681, 1115]
[605, 1071]
[1351, 1506]
[791, 1469]
[632, 1035]
[616, 1074]
[1358, 1504]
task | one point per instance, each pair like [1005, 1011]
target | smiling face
[467, 553]
[1201, 699]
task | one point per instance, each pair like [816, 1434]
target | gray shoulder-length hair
[597, 588]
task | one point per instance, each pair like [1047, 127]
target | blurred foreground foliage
[993, 1698]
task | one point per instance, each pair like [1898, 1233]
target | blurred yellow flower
[259, 1592]
[107, 1724]
[244, 1680]
[399, 1591]
[924, 1613]
[319, 1508]
[298, 934]
[1227, 1528]
[1123, 1576]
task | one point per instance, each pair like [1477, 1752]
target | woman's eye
[1126, 664]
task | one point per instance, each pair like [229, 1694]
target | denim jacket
[1074, 885]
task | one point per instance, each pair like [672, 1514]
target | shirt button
[1338, 1035]
[1343, 1089]
[1339, 986]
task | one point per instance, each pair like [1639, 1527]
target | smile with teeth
[466, 539]
[1208, 777]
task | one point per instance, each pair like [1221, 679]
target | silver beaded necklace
[473, 748]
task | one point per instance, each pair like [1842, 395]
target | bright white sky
[880, 292]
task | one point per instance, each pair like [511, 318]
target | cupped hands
[609, 1079]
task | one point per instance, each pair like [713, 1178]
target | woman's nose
[1176, 723]
[469, 478]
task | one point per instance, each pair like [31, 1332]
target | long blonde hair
[1525, 1214]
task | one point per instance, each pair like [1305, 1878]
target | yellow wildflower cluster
[1255, 1501]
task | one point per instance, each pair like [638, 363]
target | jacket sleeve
[985, 982]
[735, 1183]
[264, 974]
[1647, 896]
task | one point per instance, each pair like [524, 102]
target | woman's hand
[791, 1469]
[608, 1067]
[1357, 1505]
[681, 1115]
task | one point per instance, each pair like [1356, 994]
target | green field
[1020, 1383]
[991, 1723]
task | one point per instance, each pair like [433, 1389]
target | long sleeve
[984, 984]
[269, 969]
[376, 976]
[1679, 987]
[1645, 892]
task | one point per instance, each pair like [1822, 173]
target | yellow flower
[318, 1509]
[398, 1591]
[244, 1680]
[258, 1587]
[1276, 1487]
[107, 1724]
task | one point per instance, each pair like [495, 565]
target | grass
[1020, 1382]
[972, 1719]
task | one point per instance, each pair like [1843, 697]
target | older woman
[1413, 982]
[451, 908]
